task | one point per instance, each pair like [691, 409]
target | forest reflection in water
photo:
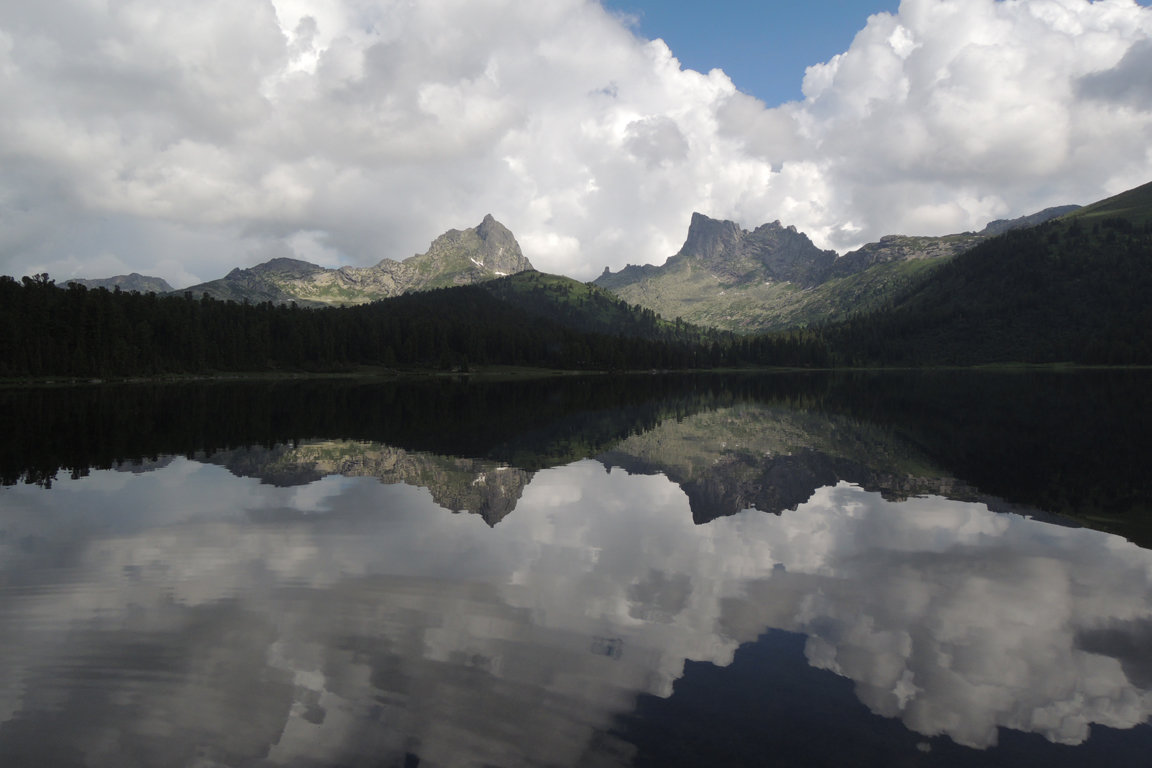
[317, 602]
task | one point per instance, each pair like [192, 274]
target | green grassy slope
[1134, 206]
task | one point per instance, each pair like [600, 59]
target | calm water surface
[656, 573]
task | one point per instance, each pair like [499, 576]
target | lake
[913, 569]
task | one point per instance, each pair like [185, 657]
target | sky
[184, 139]
[763, 47]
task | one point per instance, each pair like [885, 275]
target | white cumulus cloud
[182, 139]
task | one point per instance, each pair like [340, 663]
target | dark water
[899, 569]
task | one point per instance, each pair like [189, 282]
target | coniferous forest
[52, 331]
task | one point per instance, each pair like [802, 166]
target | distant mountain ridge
[457, 257]
[774, 277]
[131, 282]
[770, 278]
[1000, 226]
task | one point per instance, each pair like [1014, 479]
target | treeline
[46, 330]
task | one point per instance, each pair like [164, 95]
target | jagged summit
[708, 238]
[457, 257]
[719, 254]
[770, 253]
[775, 277]
[501, 246]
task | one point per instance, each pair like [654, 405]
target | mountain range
[774, 277]
[724, 277]
[457, 257]
[1062, 285]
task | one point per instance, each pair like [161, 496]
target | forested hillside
[1072, 290]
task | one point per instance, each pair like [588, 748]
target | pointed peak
[490, 221]
[708, 236]
[490, 226]
[490, 246]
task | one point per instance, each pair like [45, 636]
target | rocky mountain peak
[770, 252]
[457, 257]
[499, 250]
[708, 237]
[488, 224]
[489, 246]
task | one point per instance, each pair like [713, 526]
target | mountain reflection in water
[318, 602]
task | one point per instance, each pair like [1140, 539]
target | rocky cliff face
[727, 277]
[712, 240]
[771, 252]
[458, 257]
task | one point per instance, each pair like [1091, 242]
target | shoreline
[498, 373]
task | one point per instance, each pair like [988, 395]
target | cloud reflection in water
[193, 617]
